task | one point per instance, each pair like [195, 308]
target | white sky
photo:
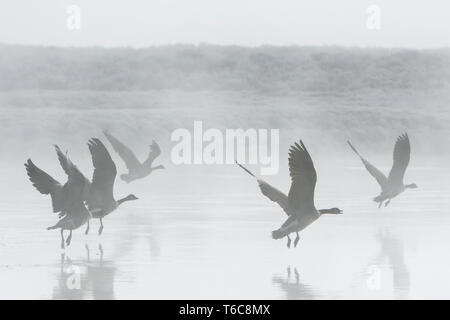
[141, 23]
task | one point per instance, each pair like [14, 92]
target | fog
[140, 23]
[203, 231]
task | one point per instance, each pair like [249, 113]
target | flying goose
[299, 204]
[99, 194]
[67, 199]
[136, 169]
[393, 185]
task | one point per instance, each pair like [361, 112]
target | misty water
[184, 245]
[204, 232]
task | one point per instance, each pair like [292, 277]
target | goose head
[131, 197]
[411, 186]
[331, 211]
[128, 198]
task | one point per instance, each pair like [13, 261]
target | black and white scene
[213, 150]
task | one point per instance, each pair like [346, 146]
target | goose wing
[102, 186]
[155, 151]
[63, 159]
[67, 164]
[402, 152]
[130, 159]
[377, 174]
[304, 177]
[45, 184]
[274, 194]
[74, 190]
[269, 191]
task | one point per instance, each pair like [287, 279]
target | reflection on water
[392, 252]
[93, 276]
[218, 246]
[78, 279]
[293, 288]
[69, 284]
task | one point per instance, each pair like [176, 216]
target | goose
[67, 199]
[136, 169]
[99, 194]
[392, 185]
[299, 203]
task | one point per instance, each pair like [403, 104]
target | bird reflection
[101, 275]
[70, 281]
[294, 289]
[144, 230]
[77, 280]
[391, 250]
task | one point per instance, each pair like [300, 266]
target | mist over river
[204, 231]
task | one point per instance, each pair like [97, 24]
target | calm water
[205, 234]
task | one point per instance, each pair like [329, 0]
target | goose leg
[379, 205]
[289, 241]
[88, 252]
[387, 202]
[100, 230]
[69, 238]
[87, 228]
[296, 239]
[62, 239]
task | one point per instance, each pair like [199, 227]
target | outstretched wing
[269, 191]
[105, 172]
[377, 174]
[402, 152]
[274, 194]
[67, 164]
[45, 184]
[130, 159]
[63, 160]
[155, 151]
[74, 191]
[304, 177]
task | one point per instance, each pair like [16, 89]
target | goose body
[392, 185]
[99, 193]
[67, 199]
[136, 169]
[299, 203]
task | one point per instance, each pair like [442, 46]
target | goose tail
[379, 198]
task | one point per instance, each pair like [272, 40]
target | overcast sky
[141, 23]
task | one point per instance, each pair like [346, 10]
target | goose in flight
[67, 199]
[392, 185]
[299, 203]
[136, 169]
[99, 194]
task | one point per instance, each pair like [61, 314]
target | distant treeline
[210, 67]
